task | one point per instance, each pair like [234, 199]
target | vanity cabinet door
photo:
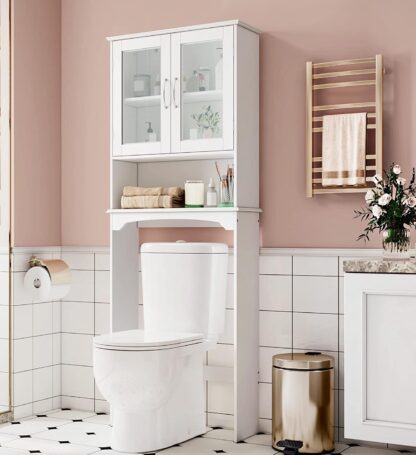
[202, 90]
[380, 357]
[141, 95]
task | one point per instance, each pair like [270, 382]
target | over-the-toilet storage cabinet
[161, 81]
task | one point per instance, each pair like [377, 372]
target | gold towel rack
[364, 75]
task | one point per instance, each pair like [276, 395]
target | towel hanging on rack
[343, 149]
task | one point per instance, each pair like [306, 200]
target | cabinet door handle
[174, 93]
[164, 93]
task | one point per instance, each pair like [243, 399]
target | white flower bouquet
[391, 209]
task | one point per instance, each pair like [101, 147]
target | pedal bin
[303, 401]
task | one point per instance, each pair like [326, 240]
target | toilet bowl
[153, 378]
[149, 377]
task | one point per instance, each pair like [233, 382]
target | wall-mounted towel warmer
[337, 87]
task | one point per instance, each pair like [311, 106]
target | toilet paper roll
[48, 282]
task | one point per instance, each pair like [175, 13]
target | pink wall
[294, 31]
[36, 125]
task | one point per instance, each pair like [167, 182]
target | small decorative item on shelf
[207, 121]
[194, 193]
[211, 194]
[204, 79]
[193, 133]
[192, 84]
[391, 209]
[150, 134]
[226, 187]
[141, 85]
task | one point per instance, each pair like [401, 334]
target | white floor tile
[225, 435]
[47, 441]
[7, 438]
[102, 419]
[362, 450]
[8, 451]
[70, 414]
[76, 433]
[50, 447]
[32, 426]
[260, 439]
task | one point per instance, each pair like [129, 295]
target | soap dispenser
[211, 194]
[150, 134]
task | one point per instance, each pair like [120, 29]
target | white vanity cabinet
[174, 91]
[380, 356]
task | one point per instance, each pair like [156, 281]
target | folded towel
[343, 149]
[156, 191]
[151, 202]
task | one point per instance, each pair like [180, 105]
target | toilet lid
[142, 339]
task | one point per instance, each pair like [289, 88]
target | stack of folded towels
[135, 197]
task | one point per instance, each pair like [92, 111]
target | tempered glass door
[141, 96]
[202, 78]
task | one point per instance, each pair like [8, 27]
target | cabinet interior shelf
[179, 217]
[200, 97]
[143, 101]
[188, 97]
[224, 154]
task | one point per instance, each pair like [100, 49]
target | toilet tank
[184, 287]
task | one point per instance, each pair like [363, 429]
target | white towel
[343, 149]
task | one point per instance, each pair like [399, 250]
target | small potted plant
[391, 209]
[207, 121]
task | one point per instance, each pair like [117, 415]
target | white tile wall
[300, 303]
[315, 294]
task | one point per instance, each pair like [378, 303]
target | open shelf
[225, 217]
[200, 97]
[223, 154]
[143, 101]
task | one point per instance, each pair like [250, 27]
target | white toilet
[153, 378]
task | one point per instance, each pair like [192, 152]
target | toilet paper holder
[47, 279]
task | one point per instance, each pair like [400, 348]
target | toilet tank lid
[182, 247]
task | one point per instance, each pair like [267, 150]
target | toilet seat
[145, 340]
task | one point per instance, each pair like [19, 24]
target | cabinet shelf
[201, 97]
[224, 154]
[143, 101]
[225, 217]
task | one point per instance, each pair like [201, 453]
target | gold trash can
[303, 401]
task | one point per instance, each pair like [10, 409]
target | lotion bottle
[211, 194]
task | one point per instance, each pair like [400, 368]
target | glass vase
[396, 244]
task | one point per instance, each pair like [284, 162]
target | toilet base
[148, 433]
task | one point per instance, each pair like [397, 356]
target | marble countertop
[380, 266]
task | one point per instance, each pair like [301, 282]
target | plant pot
[207, 133]
[396, 244]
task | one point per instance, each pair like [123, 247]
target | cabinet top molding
[185, 29]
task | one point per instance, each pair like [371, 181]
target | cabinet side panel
[246, 326]
[246, 100]
[123, 173]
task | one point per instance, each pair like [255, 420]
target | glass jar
[226, 192]
[396, 243]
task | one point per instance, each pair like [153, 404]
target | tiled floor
[70, 432]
